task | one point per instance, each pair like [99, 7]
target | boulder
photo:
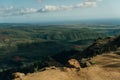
[75, 63]
[18, 75]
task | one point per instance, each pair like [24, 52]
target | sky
[34, 11]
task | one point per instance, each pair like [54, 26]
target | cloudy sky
[57, 10]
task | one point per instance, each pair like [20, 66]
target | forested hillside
[23, 47]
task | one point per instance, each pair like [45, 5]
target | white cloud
[93, 4]
[50, 8]
[28, 10]
[11, 11]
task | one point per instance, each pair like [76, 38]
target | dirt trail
[107, 67]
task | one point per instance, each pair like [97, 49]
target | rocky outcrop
[18, 76]
[85, 63]
[74, 63]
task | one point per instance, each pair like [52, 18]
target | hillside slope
[99, 53]
[107, 67]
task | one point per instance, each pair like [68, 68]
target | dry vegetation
[107, 67]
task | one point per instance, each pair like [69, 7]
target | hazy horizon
[43, 11]
[72, 22]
